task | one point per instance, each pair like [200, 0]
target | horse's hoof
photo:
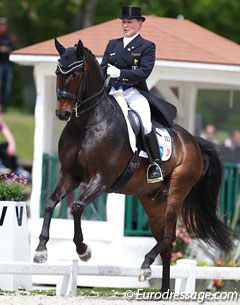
[145, 274]
[86, 256]
[40, 256]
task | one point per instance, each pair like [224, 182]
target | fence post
[186, 285]
[62, 284]
[74, 275]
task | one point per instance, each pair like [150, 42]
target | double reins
[81, 103]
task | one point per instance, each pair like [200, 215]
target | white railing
[185, 272]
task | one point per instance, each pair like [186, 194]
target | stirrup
[158, 178]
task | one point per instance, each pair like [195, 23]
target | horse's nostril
[63, 115]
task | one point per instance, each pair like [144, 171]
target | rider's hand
[113, 71]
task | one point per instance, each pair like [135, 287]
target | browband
[71, 67]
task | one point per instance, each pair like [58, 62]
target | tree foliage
[34, 20]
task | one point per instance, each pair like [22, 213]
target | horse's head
[71, 78]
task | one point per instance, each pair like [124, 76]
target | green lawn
[22, 127]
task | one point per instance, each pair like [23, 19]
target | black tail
[200, 209]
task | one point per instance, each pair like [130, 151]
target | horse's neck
[95, 79]
[106, 109]
[106, 112]
[98, 114]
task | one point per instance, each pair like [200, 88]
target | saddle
[136, 134]
[136, 139]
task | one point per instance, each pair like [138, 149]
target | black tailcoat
[136, 62]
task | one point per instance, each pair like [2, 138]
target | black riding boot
[154, 171]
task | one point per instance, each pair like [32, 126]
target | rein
[78, 104]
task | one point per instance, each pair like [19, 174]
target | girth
[127, 173]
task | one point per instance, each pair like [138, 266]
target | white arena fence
[185, 272]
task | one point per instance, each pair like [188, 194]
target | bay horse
[94, 151]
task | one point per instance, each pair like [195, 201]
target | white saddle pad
[164, 139]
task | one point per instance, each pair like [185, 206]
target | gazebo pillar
[188, 98]
[45, 128]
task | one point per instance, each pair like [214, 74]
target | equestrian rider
[129, 61]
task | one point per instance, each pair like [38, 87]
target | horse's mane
[89, 53]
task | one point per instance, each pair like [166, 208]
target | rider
[129, 61]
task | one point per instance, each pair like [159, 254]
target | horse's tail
[200, 209]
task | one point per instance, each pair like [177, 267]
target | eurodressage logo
[199, 297]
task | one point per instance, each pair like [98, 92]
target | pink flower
[179, 254]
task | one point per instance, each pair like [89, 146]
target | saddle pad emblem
[165, 144]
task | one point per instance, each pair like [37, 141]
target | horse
[94, 153]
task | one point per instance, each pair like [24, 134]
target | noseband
[77, 98]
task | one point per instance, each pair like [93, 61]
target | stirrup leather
[158, 171]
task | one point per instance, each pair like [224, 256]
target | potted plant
[14, 229]
[12, 188]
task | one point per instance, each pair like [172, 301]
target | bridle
[78, 98]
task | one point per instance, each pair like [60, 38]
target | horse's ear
[80, 49]
[60, 48]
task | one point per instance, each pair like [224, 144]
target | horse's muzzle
[63, 115]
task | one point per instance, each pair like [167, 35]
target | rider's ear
[80, 49]
[60, 48]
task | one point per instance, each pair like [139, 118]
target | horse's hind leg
[63, 187]
[164, 248]
[166, 260]
[162, 220]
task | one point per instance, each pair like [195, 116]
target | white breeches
[139, 103]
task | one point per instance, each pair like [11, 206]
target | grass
[81, 291]
[22, 128]
[95, 292]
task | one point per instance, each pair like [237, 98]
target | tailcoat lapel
[120, 49]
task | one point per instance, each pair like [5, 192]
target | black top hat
[132, 12]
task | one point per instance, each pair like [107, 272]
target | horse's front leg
[89, 192]
[84, 252]
[64, 185]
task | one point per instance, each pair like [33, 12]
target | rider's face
[131, 27]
